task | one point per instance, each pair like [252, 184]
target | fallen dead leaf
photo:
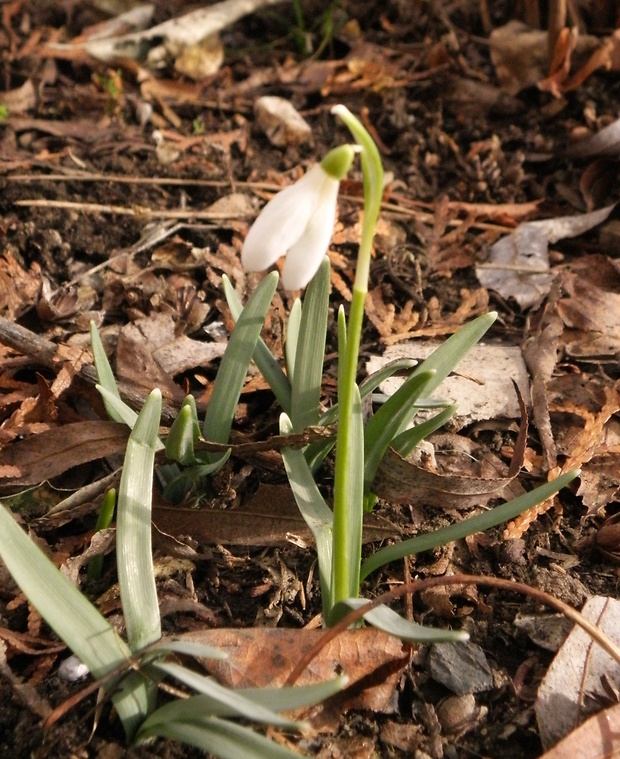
[459, 475]
[270, 517]
[573, 683]
[597, 738]
[518, 264]
[53, 452]
[481, 385]
[260, 657]
[591, 308]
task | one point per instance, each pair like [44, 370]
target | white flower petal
[304, 257]
[282, 221]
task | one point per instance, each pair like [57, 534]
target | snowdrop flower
[298, 222]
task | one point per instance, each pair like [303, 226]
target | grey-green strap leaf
[389, 420]
[312, 506]
[263, 357]
[133, 529]
[310, 353]
[221, 701]
[72, 617]
[462, 529]
[444, 359]
[384, 618]
[293, 325]
[409, 439]
[105, 375]
[235, 362]
[218, 737]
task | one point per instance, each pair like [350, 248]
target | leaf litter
[83, 184]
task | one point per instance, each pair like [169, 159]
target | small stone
[282, 124]
[462, 667]
[458, 715]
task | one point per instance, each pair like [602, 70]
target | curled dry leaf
[518, 264]
[463, 475]
[18, 288]
[603, 143]
[281, 122]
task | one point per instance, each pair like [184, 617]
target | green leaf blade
[133, 536]
[310, 351]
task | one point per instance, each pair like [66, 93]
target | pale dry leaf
[597, 738]
[568, 691]
[481, 384]
[518, 264]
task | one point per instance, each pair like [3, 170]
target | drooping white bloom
[298, 222]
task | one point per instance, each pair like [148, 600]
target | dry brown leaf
[270, 517]
[518, 264]
[51, 453]
[260, 657]
[18, 288]
[591, 308]
[541, 352]
[149, 353]
[607, 57]
[561, 62]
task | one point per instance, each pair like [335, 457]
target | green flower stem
[348, 493]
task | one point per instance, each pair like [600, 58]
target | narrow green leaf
[181, 438]
[72, 617]
[218, 737]
[384, 618]
[220, 701]
[485, 521]
[348, 503]
[315, 453]
[445, 358]
[105, 375]
[409, 439]
[193, 648]
[60, 603]
[262, 356]
[395, 413]
[104, 520]
[312, 506]
[235, 362]
[292, 338]
[310, 353]
[290, 698]
[117, 407]
[133, 533]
